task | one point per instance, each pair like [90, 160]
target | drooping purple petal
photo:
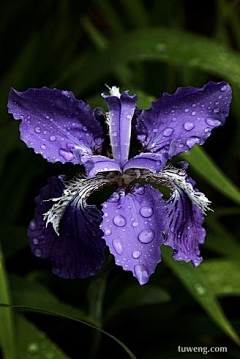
[132, 225]
[78, 251]
[176, 122]
[96, 163]
[121, 109]
[55, 124]
[184, 231]
[151, 161]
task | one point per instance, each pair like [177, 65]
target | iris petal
[55, 124]
[176, 122]
[132, 225]
[78, 250]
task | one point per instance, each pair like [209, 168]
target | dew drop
[220, 97]
[192, 141]
[223, 88]
[68, 156]
[186, 110]
[193, 113]
[32, 348]
[199, 288]
[43, 147]
[117, 245]
[135, 224]
[146, 236]
[168, 131]
[119, 221]
[35, 241]
[140, 190]
[216, 110]
[146, 212]
[136, 254]
[37, 252]
[212, 122]
[85, 128]
[141, 273]
[188, 126]
[114, 198]
[33, 225]
[37, 129]
[114, 133]
[107, 232]
[52, 138]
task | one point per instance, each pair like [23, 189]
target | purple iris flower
[136, 220]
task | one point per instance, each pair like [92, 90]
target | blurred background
[148, 47]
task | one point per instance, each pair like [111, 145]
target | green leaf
[136, 296]
[61, 315]
[31, 341]
[198, 284]
[206, 168]
[159, 44]
[37, 295]
[223, 276]
[7, 334]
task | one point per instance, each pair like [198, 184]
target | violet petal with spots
[55, 124]
[176, 122]
[132, 225]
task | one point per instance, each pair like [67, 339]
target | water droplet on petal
[37, 252]
[107, 232]
[146, 212]
[216, 110]
[188, 126]
[43, 147]
[32, 348]
[119, 221]
[223, 88]
[192, 141]
[186, 110]
[114, 133]
[146, 236]
[114, 197]
[193, 113]
[135, 224]
[85, 128]
[140, 190]
[168, 131]
[33, 225]
[117, 245]
[212, 122]
[37, 129]
[141, 273]
[136, 254]
[35, 241]
[52, 138]
[67, 155]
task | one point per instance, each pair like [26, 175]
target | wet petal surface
[151, 161]
[132, 225]
[176, 122]
[78, 251]
[95, 164]
[55, 124]
[121, 109]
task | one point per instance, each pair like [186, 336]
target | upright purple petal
[78, 251]
[55, 124]
[184, 231]
[176, 122]
[132, 225]
[121, 109]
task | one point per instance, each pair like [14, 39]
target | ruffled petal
[78, 250]
[55, 124]
[176, 122]
[132, 225]
[121, 109]
[95, 164]
[184, 231]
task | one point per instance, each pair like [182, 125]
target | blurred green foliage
[147, 47]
